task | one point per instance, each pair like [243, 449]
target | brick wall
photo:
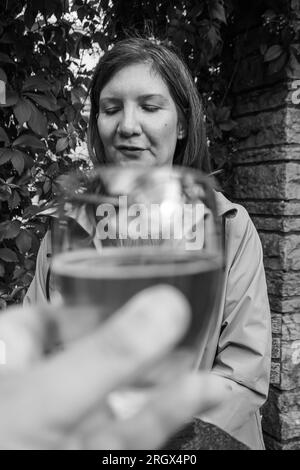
[266, 180]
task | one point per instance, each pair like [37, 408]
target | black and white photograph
[149, 228]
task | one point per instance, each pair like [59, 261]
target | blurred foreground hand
[58, 400]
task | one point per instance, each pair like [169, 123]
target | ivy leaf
[5, 58]
[36, 83]
[72, 142]
[228, 125]
[60, 133]
[197, 10]
[3, 76]
[22, 111]
[223, 114]
[5, 155]
[47, 186]
[12, 229]
[101, 39]
[214, 38]
[70, 113]
[29, 162]
[48, 102]
[30, 14]
[217, 10]
[3, 230]
[18, 272]
[269, 15]
[293, 68]
[62, 144]
[8, 255]
[14, 200]
[11, 99]
[17, 161]
[3, 136]
[5, 192]
[23, 241]
[38, 122]
[263, 48]
[273, 53]
[277, 65]
[2, 270]
[15, 291]
[27, 140]
[7, 38]
[78, 95]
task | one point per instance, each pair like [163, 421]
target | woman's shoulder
[231, 210]
[239, 226]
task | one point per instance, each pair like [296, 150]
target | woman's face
[138, 120]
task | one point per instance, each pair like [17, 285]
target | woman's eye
[110, 111]
[150, 107]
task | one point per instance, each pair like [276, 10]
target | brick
[266, 180]
[293, 69]
[285, 152]
[278, 208]
[270, 181]
[275, 373]
[282, 426]
[290, 425]
[281, 252]
[292, 125]
[249, 43]
[288, 305]
[281, 414]
[259, 130]
[257, 101]
[252, 73]
[290, 365]
[283, 402]
[280, 127]
[276, 319]
[273, 444]
[283, 284]
[295, 7]
[277, 224]
[291, 327]
[276, 351]
[270, 419]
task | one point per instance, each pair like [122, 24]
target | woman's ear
[181, 130]
[181, 126]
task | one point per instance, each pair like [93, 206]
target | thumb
[22, 336]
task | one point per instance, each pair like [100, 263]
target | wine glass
[120, 230]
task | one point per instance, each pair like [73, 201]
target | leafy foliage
[42, 49]
[40, 123]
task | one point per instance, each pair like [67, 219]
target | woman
[145, 109]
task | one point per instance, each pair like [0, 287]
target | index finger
[73, 382]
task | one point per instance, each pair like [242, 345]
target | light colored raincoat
[238, 348]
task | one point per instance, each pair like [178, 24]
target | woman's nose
[129, 123]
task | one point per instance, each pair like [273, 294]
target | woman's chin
[136, 162]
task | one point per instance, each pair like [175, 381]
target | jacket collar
[224, 206]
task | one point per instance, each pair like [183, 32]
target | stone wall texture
[267, 182]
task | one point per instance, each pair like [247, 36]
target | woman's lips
[131, 152]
